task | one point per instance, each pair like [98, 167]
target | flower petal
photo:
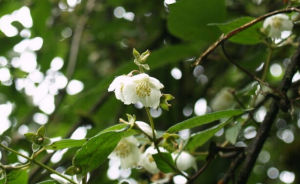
[129, 93]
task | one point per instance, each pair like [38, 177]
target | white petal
[129, 93]
[116, 83]
[287, 25]
[132, 159]
[184, 161]
[119, 94]
[141, 76]
[145, 127]
[274, 33]
[153, 100]
[128, 152]
[155, 83]
[147, 160]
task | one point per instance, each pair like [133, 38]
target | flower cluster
[131, 156]
[130, 151]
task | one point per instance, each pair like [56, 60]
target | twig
[212, 153]
[93, 110]
[244, 107]
[257, 144]
[233, 166]
[224, 37]
[38, 163]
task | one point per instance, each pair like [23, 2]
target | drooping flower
[138, 88]
[147, 161]
[128, 152]
[276, 24]
[184, 160]
[145, 127]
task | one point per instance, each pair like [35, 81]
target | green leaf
[163, 161]
[202, 120]
[31, 137]
[117, 127]
[189, 19]
[35, 147]
[231, 134]
[48, 182]
[202, 137]
[41, 131]
[46, 141]
[95, 152]
[66, 143]
[249, 36]
[19, 176]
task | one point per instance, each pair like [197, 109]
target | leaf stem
[38, 163]
[151, 123]
[267, 63]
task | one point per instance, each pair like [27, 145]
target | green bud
[41, 131]
[73, 170]
[131, 119]
[144, 56]
[165, 101]
[136, 53]
[145, 66]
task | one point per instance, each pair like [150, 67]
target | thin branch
[233, 166]
[224, 37]
[212, 153]
[38, 163]
[254, 77]
[93, 110]
[257, 144]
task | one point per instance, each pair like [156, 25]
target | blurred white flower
[128, 152]
[276, 24]
[184, 160]
[223, 100]
[138, 88]
[147, 161]
[145, 127]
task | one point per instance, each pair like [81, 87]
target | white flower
[117, 86]
[128, 152]
[147, 161]
[184, 161]
[138, 88]
[145, 127]
[223, 100]
[276, 24]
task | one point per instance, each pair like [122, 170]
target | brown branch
[224, 37]
[213, 150]
[233, 166]
[257, 144]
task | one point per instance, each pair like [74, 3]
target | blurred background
[57, 58]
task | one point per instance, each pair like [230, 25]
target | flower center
[143, 88]
[277, 22]
[123, 149]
